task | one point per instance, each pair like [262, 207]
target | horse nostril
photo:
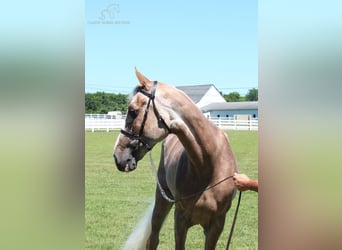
[131, 163]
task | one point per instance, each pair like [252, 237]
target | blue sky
[175, 42]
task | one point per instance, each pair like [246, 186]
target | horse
[196, 159]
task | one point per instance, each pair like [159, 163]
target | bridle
[139, 137]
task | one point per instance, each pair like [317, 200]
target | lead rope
[234, 220]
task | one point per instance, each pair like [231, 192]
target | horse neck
[199, 136]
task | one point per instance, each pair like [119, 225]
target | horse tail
[137, 239]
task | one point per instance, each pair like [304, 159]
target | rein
[151, 96]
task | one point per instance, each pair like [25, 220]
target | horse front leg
[213, 232]
[160, 211]
[181, 229]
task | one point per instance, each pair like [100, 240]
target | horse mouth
[128, 168]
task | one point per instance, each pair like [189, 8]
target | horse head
[145, 125]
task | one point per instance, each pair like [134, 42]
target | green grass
[116, 201]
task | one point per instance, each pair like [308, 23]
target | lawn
[115, 201]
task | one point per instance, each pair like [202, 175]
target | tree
[232, 97]
[90, 105]
[252, 95]
[101, 102]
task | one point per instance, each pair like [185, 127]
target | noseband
[139, 137]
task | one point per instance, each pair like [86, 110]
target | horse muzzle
[126, 165]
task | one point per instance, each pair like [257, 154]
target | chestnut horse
[196, 157]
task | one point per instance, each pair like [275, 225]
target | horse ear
[144, 82]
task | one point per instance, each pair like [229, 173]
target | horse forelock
[135, 90]
[133, 94]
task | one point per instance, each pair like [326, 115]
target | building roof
[230, 106]
[195, 92]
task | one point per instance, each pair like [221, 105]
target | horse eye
[133, 113]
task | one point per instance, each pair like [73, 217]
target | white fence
[92, 123]
[235, 124]
[104, 124]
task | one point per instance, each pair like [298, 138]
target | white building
[232, 110]
[213, 105]
[203, 95]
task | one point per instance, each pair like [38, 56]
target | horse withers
[196, 156]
